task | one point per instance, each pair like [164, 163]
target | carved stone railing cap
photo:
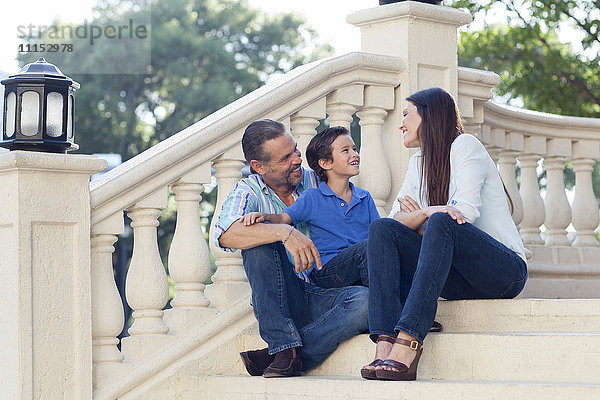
[410, 9]
[170, 159]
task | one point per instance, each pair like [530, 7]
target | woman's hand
[450, 210]
[408, 204]
[253, 218]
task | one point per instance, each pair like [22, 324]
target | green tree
[205, 54]
[525, 49]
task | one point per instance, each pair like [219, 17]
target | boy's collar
[356, 191]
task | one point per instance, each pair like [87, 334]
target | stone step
[520, 315]
[522, 357]
[228, 387]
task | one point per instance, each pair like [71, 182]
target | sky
[328, 17]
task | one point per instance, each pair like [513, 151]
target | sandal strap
[386, 338]
[376, 363]
[412, 344]
[397, 365]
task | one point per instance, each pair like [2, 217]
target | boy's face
[345, 159]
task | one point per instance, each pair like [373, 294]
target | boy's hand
[303, 250]
[253, 218]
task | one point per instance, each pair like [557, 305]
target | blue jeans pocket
[515, 288]
[328, 281]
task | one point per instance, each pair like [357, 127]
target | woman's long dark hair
[440, 125]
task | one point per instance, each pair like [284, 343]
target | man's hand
[303, 250]
[253, 218]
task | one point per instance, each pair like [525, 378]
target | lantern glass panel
[30, 113]
[70, 118]
[54, 114]
[11, 105]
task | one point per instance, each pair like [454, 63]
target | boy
[337, 213]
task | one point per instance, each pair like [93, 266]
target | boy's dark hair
[320, 148]
[255, 135]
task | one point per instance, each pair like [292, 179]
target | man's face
[283, 167]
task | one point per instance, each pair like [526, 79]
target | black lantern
[39, 109]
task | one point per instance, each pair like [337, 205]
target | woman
[450, 234]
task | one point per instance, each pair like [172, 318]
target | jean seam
[513, 284]
[437, 274]
[285, 347]
[337, 306]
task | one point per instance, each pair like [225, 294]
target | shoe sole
[368, 374]
[384, 375]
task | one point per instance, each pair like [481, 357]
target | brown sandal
[369, 373]
[401, 372]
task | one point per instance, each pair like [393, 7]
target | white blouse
[475, 189]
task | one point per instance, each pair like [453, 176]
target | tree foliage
[524, 47]
[204, 55]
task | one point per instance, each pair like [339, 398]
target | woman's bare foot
[400, 353]
[382, 351]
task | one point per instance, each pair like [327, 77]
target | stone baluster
[585, 207]
[506, 166]
[375, 173]
[497, 143]
[533, 205]
[229, 281]
[558, 209]
[107, 309]
[189, 257]
[303, 124]
[146, 287]
[342, 104]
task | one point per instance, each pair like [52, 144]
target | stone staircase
[490, 349]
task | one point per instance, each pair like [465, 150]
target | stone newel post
[46, 329]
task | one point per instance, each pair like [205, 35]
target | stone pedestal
[46, 329]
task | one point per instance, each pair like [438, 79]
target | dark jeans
[293, 313]
[349, 267]
[408, 272]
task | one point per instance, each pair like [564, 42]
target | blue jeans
[349, 267]
[408, 272]
[293, 313]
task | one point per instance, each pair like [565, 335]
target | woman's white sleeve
[410, 186]
[468, 160]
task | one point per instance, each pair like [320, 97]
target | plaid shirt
[251, 195]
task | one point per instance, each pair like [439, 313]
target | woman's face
[411, 121]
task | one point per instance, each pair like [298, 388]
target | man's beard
[292, 180]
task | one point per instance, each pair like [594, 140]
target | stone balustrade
[511, 138]
[537, 143]
[183, 164]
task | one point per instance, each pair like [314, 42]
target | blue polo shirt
[334, 225]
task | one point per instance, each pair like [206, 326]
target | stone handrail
[221, 131]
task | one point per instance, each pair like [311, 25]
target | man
[301, 322]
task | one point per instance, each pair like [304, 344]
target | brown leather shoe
[256, 361]
[286, 363]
